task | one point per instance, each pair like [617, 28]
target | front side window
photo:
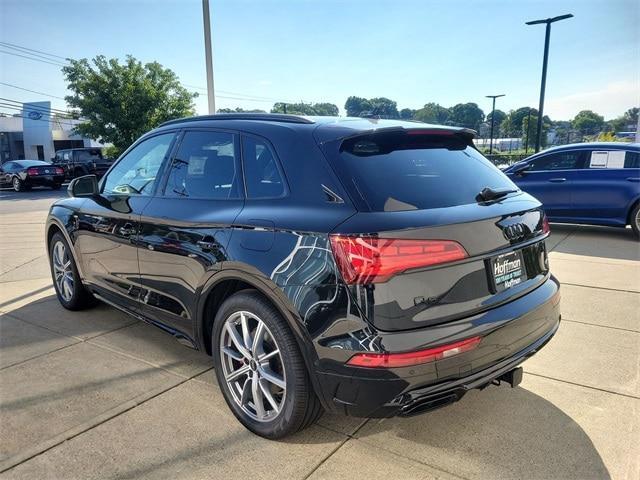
[204, 167]
[136, 172]
[558, 161]
[261, 173]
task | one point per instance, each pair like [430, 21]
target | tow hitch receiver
[512, 377]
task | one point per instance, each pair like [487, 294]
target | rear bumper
[45, 180]
[510, 334]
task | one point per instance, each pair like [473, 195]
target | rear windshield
[401, 171]
[95, 155]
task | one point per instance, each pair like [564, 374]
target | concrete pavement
[96, 394]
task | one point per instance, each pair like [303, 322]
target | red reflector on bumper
[406, 359]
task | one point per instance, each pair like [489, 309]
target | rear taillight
[59, 171]
[407, 359]
[545, 224]
[32, 171]
[366, 259]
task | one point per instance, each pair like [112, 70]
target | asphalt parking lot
[97, 394]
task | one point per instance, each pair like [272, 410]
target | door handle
[558, 180]
[127, 230]
[633, 179]
[208, 244]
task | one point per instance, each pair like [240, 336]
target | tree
[467, 115]
[588, 122]
[533, 130]
[239, 110]
[323, 109]
[433, 113]
[407, 113]
[627, 122]
[356, 106]
[511, 125]
[379, 107]
[119, 102]
[500, 116]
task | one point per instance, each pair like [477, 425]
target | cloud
[611, 101]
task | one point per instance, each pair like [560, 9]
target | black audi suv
[370, 267]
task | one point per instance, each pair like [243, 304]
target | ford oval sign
[33, 115]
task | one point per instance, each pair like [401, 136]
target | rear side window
[400, 171]
[204, 167]
[261, 173]
[558, 161]
[632, 160]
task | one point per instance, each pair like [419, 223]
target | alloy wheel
[638, 219]
[252, 366]
[62, 270]
[16, 184]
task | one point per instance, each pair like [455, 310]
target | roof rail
[268, 117]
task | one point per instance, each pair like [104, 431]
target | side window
[9, 166]
[136, 172]
[558, 161]
[632, 160]
[66, 156]
[204, 167]
[261, 174]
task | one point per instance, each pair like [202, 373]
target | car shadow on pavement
[496, 433]
[594, 241]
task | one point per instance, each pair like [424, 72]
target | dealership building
[36, 133]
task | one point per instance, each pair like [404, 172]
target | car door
[550, 178]
[186, 228]
[108, 224]
[606, 186]
[5, 172]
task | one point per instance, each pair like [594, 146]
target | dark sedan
[24, 174]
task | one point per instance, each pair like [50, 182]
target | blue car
[587, 183]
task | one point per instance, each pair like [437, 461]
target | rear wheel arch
[633, 205]
[224, 284]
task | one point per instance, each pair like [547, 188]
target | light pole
[493, 114]
[211, 98]
[526, 141]
[545, 59]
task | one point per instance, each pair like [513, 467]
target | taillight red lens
[59, 171]
[32, 171]
[366, 259]
[545, 225]
[407, 359]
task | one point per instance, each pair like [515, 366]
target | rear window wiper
[488, 194]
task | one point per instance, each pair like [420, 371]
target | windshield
[401, 171]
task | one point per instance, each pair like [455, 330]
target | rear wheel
[260, 369]
[69, 288]
[635, 220]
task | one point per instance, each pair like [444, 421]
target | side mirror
[86, 186]
[521, 170]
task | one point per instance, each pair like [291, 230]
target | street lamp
[493, 114]
[545, 59]
[211, 99]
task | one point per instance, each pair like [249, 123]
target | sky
[413, 52]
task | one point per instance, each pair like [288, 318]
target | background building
[36, 133]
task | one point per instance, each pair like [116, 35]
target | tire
[17, 184]
[56, 186]
[70, 291]
[634, 219]
[288, 409]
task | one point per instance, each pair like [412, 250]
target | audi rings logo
[514, 232]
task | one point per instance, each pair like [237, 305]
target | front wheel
[260, 369]
[635, 220]
[18, 185]
[70, 291]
